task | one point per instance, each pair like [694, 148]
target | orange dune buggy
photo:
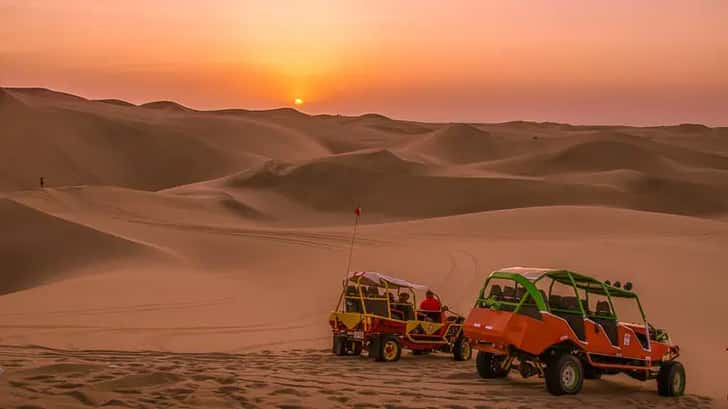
[562, 326]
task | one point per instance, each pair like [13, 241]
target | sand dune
[341, 167]
[73, 141]
[8, 102]
[80, 203]
[43, 96]
[166, 106]
[609, 152]
[394, 190]
[600, 156]
[36, 248]
[226, 233]
[115, 102]
[459, 143]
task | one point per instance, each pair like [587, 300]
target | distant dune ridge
[162, 227]
[115, 102]
[459, 143]
[166, 106]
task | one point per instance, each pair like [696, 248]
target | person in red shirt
[430, 303]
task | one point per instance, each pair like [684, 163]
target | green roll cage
[576, 281]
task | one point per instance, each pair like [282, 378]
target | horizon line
[290, 108]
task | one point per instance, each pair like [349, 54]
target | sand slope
[36, 247]
[459, 143]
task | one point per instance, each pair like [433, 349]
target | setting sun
[298, 101]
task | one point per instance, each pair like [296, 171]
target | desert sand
[183, 258]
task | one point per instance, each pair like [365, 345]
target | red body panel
[377, 325]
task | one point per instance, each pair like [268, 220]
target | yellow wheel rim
[390, 350]
[466, 350]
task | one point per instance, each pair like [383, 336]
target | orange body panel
[598, 340]
[523, 332]
[656, 351]
[491, 331]
[629, 342]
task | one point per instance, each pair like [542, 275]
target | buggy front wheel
[564, 375]
[671, 379]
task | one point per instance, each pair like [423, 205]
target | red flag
[358, 211]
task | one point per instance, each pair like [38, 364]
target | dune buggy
[562, 326]
[378, 313]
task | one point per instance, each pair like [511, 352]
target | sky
[642, 62]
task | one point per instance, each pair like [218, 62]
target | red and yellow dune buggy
[562, 326]
[378, 313]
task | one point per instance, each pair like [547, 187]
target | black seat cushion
[603, 308]
[576, 322]
[509, 293]
[353, 305]
[373, 292]
[434, 316]
[520, 292]
[376, 307]
[407, 309]
[555, 301]
[610, 328]
[569, 303]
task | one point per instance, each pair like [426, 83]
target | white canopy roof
[372, 278]
[531, 273]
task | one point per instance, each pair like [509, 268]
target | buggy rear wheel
[355, 348]
[339, 345]
[462, 351]
[671, 379]
[564, 375]
[390, 349]
[489, 365]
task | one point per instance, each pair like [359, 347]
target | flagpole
[353, 237]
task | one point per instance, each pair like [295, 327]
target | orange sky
[581, 61]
